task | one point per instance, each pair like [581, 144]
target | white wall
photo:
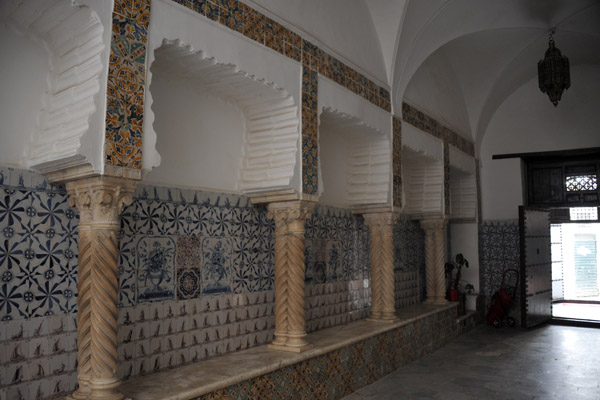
[172, 21]
[25, 66]
[528, 122]
[463, 240]
[199, 136]
[334, 150]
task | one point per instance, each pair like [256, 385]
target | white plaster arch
[365, 132]
[72, 36]
[422, 172]
[271, 119]
[264, 70]
[366, 162]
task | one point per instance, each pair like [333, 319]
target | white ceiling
[459, 60]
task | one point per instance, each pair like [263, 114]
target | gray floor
[550, 362]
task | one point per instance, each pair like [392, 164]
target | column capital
[100, 199]
[286, 212]
[381, 221]
[433, 223]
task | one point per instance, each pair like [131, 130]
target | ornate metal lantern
[553, 73]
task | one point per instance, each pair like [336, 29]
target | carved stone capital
[381, 222]
[432, 224]
[289, 216]
[100, 200]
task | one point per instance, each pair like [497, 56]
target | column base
[83, 392]
[105, 389]
[290, 349]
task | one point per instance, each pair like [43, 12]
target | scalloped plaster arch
[271, 115]
[369, 165]
[72, 37]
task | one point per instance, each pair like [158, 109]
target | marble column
[381, 228]
[289, 220]
[100, 201]
[435, 259]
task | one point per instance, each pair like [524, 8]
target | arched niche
[269, 153]
[463, 186]
[354, 159]
[422, 172]
[355, 149]
[52, 54]
[219, 127]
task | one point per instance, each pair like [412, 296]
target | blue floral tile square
[155, 268]
[216, 265]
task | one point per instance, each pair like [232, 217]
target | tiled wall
[195, 274]
[339, 373]
[126, 83]
[337, 268]
[38, 288]
[498, 251]
[158, 335]
[409, 262]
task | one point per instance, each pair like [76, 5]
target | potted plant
[471, 297]
[453, 274]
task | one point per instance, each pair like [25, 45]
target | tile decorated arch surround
[126, 82]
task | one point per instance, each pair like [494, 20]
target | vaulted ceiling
[458, 60]
[461, 59]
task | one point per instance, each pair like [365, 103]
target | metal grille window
[580, 183]
[584, 213]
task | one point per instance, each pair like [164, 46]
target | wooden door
[536, 266]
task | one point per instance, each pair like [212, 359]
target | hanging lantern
[553, 73]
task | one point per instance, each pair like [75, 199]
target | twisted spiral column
[381, 226]
[289, 220]
[84, 367]
[100, 201]
[435, 256]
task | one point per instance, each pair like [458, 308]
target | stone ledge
[210, 375]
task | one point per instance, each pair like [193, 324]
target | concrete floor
[549, 362]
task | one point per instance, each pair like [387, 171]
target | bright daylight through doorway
[576, 266]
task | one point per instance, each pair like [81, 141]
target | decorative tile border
[245, 20]
[428, 124]
[343, 371]
[126, 82]
[397, 161]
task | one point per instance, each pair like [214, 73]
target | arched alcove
[54, 58]
[355, 161]
[422, 172]
[463, 186]
[219, 127]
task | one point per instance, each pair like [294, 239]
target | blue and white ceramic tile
[216, 266]
[155, 268]
[38, 231]
[498, 251]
